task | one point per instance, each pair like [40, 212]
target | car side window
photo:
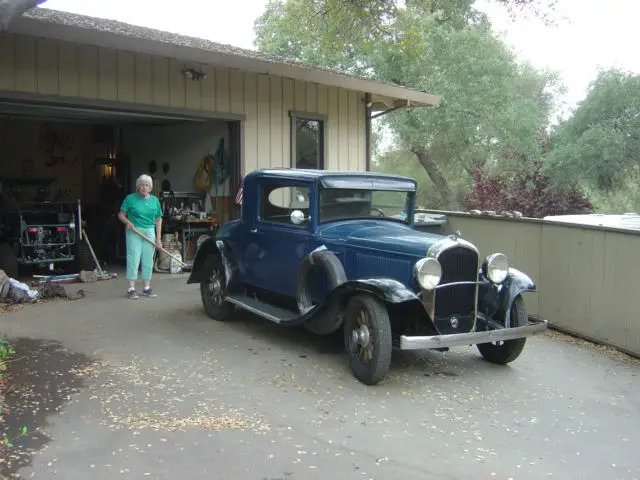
[278, 201]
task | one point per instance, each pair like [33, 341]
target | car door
[277, 245]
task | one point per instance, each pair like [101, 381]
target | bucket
[168, 238]
[164, 262]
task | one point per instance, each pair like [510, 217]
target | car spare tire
[329, 321]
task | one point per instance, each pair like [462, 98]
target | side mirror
[297, 217]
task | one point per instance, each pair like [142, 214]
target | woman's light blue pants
[139, 250]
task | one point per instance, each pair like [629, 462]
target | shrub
[531, 194]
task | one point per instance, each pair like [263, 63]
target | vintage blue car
[331, 250]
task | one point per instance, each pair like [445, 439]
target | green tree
[490, 104]
[353, 24]
[599, 145]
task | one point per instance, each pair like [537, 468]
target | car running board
[275, 314]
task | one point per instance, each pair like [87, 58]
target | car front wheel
[213, 291]
[507, 351]
[367, 338]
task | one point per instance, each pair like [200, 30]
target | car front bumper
[471, 338]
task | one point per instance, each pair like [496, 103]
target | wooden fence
[588, 277]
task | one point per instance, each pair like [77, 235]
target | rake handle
[161, 249]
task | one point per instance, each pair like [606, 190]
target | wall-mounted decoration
[55, 142]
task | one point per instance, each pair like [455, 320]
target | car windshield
[345, 204]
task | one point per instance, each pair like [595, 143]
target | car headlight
[496, 267]
[428, 272]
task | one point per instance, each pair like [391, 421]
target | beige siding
[587, 278]
[48, 67]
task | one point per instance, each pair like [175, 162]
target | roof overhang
[63, 26]
[12, 9]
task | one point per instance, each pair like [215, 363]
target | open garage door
[37, 109]
[54, 154]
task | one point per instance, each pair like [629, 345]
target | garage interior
[62, 153]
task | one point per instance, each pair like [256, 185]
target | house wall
[35, 65]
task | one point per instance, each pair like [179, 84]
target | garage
[89, 104]
[66, 163]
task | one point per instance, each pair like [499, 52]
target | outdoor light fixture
[194, 75]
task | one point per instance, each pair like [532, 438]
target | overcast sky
[593, 33]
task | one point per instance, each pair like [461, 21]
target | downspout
[367, 131]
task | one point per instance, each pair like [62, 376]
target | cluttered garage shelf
[190, 217]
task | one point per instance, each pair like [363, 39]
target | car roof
[313, 175]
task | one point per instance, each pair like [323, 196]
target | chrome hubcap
[215, 288]
[361, 336]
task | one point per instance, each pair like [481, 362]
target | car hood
[380, 235]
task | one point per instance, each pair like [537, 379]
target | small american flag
[239, 194]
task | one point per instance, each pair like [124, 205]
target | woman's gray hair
[144, 178]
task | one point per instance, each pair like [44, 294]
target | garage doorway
[60, 153]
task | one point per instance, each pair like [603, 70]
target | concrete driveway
[154, 389]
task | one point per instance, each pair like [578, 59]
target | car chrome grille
[459, 264]
[455, 304]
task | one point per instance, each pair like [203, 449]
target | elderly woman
[141, 211]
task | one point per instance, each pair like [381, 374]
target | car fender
[516, 283]
[386, 290]
[326, 317]
[213, 246]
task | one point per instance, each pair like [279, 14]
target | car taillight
[61, 229]
[32, 229]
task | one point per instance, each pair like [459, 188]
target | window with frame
[307, 141]
[278, 201]
[348, 203]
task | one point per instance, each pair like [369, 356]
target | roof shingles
[137, 32]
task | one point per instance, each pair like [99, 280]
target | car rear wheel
[213, 291]
[367, 338]
[507, 351]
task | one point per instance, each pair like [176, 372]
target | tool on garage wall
[56, 141]
[212, 173]
[153, 168]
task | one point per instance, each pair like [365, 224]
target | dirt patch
[40, 382]
[157, 396]
[7, 308]
[603, 349]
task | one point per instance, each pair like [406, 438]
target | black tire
[509, 350]
[326, 323]
[83, 259]
[213, 291]
[370, 361]
[8, 260]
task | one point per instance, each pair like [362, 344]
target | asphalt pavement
[154, 389]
